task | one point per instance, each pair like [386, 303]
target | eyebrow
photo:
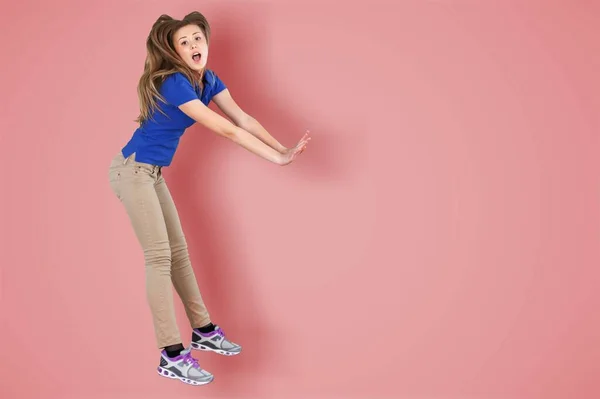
[185, 37]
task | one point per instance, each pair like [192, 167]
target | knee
[158, 256]
[179, 250]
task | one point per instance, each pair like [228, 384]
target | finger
[304, 141]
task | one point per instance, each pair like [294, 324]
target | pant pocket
[114, 179]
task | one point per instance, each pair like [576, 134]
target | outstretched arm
[199, 112]
[227, 104]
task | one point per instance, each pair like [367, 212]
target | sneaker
[214, 341]
[183, 368]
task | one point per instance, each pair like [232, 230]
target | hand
[290, 154]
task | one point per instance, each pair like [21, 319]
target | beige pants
[143, 191]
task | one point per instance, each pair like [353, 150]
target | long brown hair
[162, 60]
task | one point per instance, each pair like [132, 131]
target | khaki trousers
[142, 190]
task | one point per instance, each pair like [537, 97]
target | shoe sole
[201, 347]
[169, 374]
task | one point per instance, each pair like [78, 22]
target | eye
[183, 43]
[198, 38]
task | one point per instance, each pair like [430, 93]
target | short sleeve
[214, 86]
[219, 85]
[177, 90]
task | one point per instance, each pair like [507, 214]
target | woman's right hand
[289, 155]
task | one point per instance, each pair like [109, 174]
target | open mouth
[196, 57]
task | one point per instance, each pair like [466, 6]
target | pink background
[438, 239]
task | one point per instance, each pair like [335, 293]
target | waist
[121, 160]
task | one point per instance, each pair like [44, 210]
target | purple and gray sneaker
[214, 341]
[183, 368]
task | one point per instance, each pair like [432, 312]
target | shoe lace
[189, 359]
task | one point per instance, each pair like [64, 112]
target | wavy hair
[162, 60]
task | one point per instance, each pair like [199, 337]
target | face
[190, 44]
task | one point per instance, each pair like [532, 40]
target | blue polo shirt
[155, 140]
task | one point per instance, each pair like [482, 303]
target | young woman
[174, 92]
